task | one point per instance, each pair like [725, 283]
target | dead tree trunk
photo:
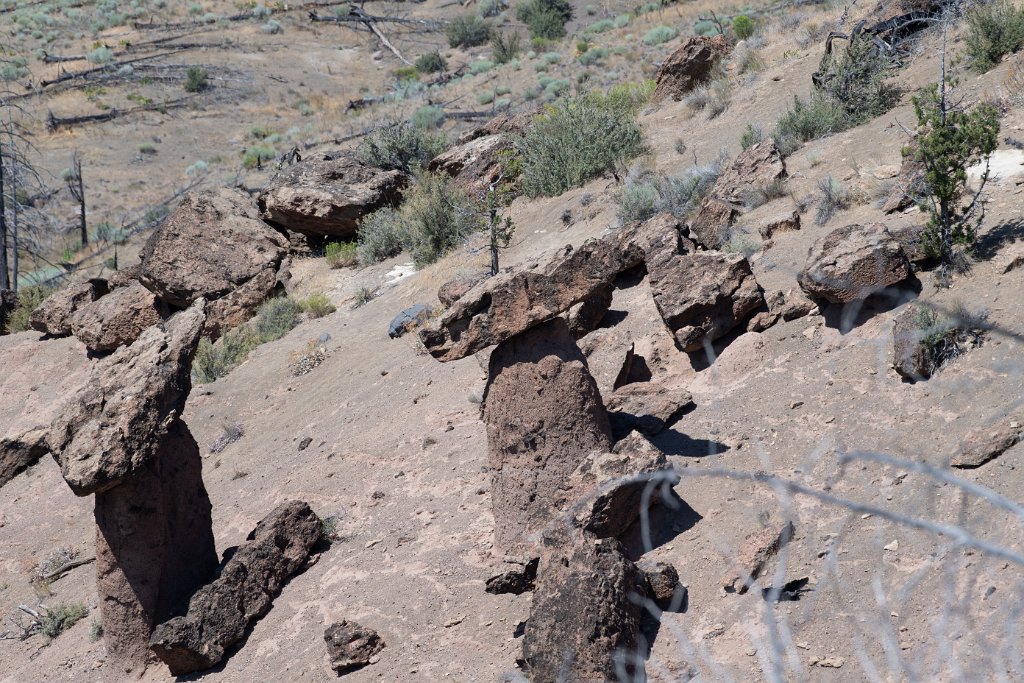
[5, 282]
[77, 189]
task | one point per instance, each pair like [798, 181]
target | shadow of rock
[669, 517]
[847, 317]
[672, 442]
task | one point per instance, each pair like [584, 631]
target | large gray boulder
[111, 428]
[689, 66]
[214, 246]
[326, 195]
[852, 263]
[54, 315]
[116, 319]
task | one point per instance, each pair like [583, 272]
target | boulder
[476, 164]
[710, 225]
[784, 220]
[757, 167]
[585, 617]
[456, 288]
[612, 489]
[220, 612]
[852, 263]
[663, 585]
[910, 358]
[758, 549]
[36, 380]
[689, 66]
[515, 581]
[781, 307]
[584, 317]
[351, 646]
[987, 443]
[112, 426]
[327, 194]
[909, 186]
[647, 407]
[154, 545]
[911, 239]
[505, 305]
[544, 415]
[214, 246]
[409, 320]
[54, 315]
[506, 123]
[704, 295]
[116, 319]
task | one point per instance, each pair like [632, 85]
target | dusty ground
[398, 455]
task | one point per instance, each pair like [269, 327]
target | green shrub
[272, 27]
[490, 8]
[485, 97]
[578, 139]
[317, 305]
[706, 28]
[506, 47]
[856, 79]
[638, 201]
[380, 236]
[623, 20]
[62, 617]
[432, 220]
[480, 66]
[406, 73]
[215, 360]
[545, 18]
[468, 31]
[994, 29]
[276, 318]
[643, 197]
[432, 62]
[743, 26]
[428, 117]
[660, 34]
[341, 254]
[255, 155]
[401, 146]
[101, 55]
[196, 79]
[600, 27]
[751, 136]
[593, 56]
[29, 299]
[816, 118]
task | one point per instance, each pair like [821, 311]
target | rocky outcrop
[54, 315]
[647, 407]
[505, 305]
[544, 415]
[784, 220]
[214, 246]
[120, 437]
[476, 164]
[781, 308]
[704, 295]
[689, 66]
[514, 581]
[456, 288]
[37, 379]
[909, 185]
[584, 317]
[112, 427]
[351, 646]
[154, 544]
[116, 319]
[612, 489]
[219, 613]
[756, 169]
[910, 358]
[585, 617]
[327, 194]
[409, 320]
[987, 443]
[852, 263]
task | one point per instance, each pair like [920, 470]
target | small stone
[892, 547]
[304, 444]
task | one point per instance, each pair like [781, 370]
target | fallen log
[55, 123]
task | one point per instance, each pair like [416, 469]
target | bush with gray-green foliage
[433, 219]
[431, 62]
[468, 31]
[428, 117]
[580, 138]
[213, 360]
[29, 299]
[506, 46]
[62, 617]
[994, 29]
[401, 146]
[660, 34]
[751, 136]
[645, 194]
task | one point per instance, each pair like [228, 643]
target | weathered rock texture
[515, 581]
[909, 185]
[612, 489]
[154, 545]
[647, 407]
[456, 288]
[689, 66]
[910, 358]
[53, 316]
[351, 646]
[219, 612]
[758, 549]
[544, 415]
[112, 427]
[505, 305]
[116, 319]
[987, 443]
[327, 194]
[214, 246]
[852, 263]
[476, 164]
[704, 295]
[42, 377]
[585, 616]
[8, 302]
[663, 584]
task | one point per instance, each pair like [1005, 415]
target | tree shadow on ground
[989, 244]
